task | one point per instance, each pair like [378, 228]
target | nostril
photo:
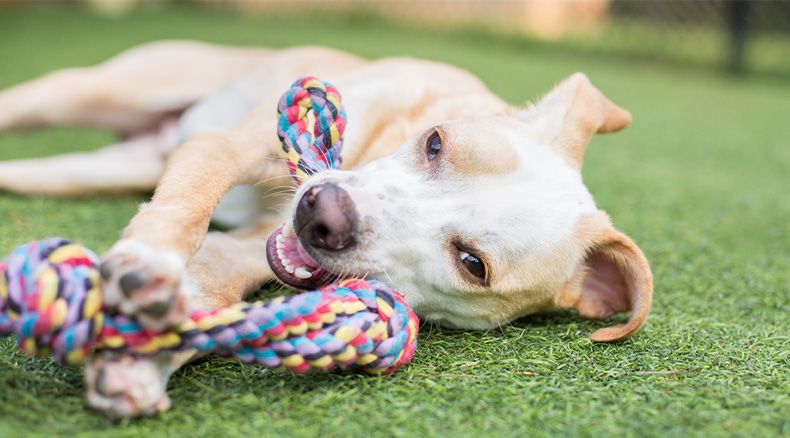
[101, 382]
[105, 271]
[321, 232]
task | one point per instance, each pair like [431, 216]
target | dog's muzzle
[325, 222]
[326, 218]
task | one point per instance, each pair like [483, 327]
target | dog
[474, 209]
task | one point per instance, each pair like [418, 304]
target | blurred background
[736, 35]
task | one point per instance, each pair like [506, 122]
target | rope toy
[51, 300]
[307, 154]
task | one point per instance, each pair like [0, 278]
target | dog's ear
[613, 277]
[570, 114]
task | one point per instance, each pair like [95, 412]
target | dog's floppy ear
[613, 277]
[570, 114]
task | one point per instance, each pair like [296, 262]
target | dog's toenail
[101, 386]
[105, 271]
[158, 310]
[132, 281]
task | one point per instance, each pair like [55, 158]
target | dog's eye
[473, 264]
[433, 145]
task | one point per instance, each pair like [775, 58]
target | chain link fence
[737, 35]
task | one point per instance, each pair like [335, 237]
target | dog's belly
[221, 110]
[247, 205]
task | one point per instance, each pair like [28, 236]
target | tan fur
[388, 102]
[639, 280]
[469, 159]
[230, 265]
[601, 239]
[130, 91]
[571, 113]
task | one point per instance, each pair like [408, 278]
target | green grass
[699, 181]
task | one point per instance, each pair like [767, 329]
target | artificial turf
[700, 181]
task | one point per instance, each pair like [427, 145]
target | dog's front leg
[123, 386]
[145, 273]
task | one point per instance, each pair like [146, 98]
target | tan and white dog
[475, 210]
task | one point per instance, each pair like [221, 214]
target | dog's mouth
[292, 264]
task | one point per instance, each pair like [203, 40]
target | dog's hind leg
[231, 265]
[130, 92]
[135, 165]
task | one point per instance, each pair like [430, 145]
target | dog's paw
[145, 283]
[125, 387]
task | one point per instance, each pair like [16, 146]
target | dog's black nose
[326, 218]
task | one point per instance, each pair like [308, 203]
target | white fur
[408, 217]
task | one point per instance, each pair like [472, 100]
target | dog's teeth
[279, 238]
[302, 273]
[280, 244]
[286, 263]
[287, 229]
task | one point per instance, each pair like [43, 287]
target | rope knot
[50, 299]
[397, 340]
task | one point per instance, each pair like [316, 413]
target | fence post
[738, 26]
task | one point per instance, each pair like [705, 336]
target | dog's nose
[326, 218]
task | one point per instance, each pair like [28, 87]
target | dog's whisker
[263, 184]
[388, 276]
[276, 192]
[279, 211]
[271, 178]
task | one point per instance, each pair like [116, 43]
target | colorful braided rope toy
[50, 292]
[307, 154]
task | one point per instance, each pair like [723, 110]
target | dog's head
[478, 221]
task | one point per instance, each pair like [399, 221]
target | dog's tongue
[292, 264]
[301, 256]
